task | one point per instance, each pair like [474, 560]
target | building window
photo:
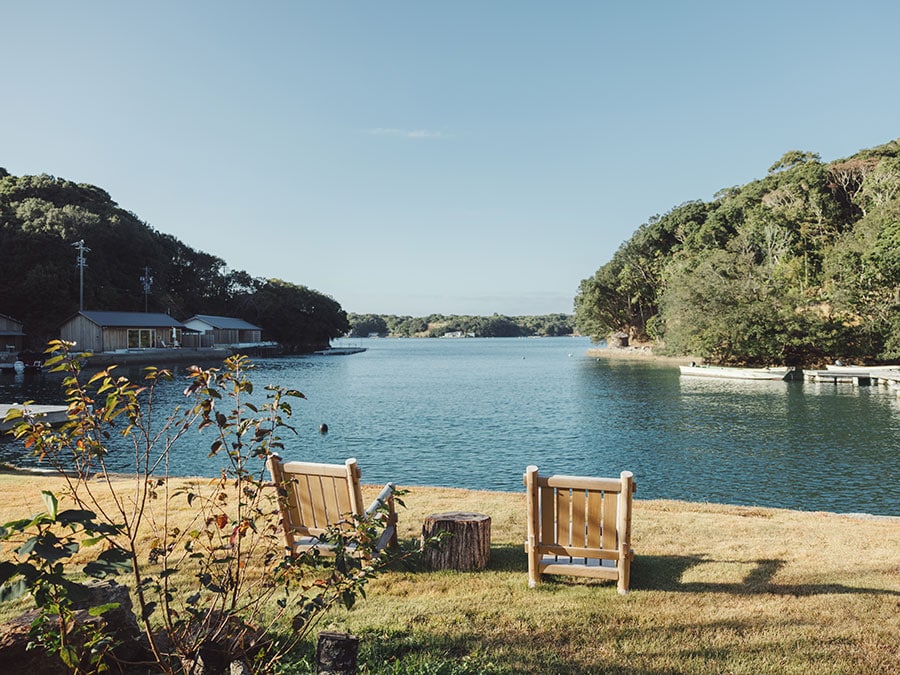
[139, 338]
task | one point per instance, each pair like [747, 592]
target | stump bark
[336, 653]
[468, 546]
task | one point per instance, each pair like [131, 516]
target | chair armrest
[384, 497]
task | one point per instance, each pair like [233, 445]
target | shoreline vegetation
[642, 352]
[715, 588]
[798, 267]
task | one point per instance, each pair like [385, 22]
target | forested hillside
[42, 217]
[439, 325]
[799, 267]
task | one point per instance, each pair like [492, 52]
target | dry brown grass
[715, 589]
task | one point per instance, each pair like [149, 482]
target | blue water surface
[474, 413]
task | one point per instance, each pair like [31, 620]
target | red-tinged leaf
[221, 521]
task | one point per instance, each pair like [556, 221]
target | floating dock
[860, 376]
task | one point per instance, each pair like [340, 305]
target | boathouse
[12, 336]
[619, 339]
[225, 331]
[96, 331]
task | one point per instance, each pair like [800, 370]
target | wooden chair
[315, 497]
[579, 526]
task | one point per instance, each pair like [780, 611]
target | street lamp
[146, 282]
[81, 263]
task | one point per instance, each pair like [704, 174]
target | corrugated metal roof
[224, 322]
[131, 319]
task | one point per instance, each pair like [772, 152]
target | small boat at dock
[734, 373]
[50, 414]
[339, 351]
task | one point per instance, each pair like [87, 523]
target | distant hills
[440, 325]
[799, 267]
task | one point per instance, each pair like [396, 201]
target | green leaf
[53, 360]
[68, 655]
[25, 549]
[102, 609]
[7, 571]
[14, 413]
[52, 503]
[13, 591]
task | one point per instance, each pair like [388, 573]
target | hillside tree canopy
[42, 217]
[798, 267]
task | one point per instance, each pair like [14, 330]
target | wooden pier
[860, 376]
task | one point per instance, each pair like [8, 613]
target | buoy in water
[323, 428]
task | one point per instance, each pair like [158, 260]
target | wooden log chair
[315, 497]
[579, 526]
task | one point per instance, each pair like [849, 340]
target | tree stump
[467, 548]
[336, 653]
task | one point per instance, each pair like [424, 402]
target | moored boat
[340, 351]
[49, 414]
[734, 373]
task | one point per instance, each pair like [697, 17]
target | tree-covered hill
[799, 267]
[42, 217]
[439, 325]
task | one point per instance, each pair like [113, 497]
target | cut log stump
[468, 546]
[336, 653]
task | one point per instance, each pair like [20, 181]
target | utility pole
[81, 263]
[146, 282]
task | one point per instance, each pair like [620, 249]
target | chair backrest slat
[548, 511]
[609, 520]
[563, 518]
[579, 504]
[579, 517]
[595, 527]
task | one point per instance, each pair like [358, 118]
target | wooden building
[618, 339]
[12, 336]
[222, 331]
[96, 332]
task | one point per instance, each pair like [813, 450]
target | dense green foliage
[800, 266]
[438, 325]
[42, 217]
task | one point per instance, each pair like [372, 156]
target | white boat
[779, 373]
[49, 414]
[340, 351]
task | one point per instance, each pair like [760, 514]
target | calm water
[475, 412]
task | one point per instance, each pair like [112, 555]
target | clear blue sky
[415, 157]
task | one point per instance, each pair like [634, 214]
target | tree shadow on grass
[666, 573]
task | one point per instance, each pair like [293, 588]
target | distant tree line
[799, 267]
[439, 325]
[41, 217]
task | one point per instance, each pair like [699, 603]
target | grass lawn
[715, 589]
